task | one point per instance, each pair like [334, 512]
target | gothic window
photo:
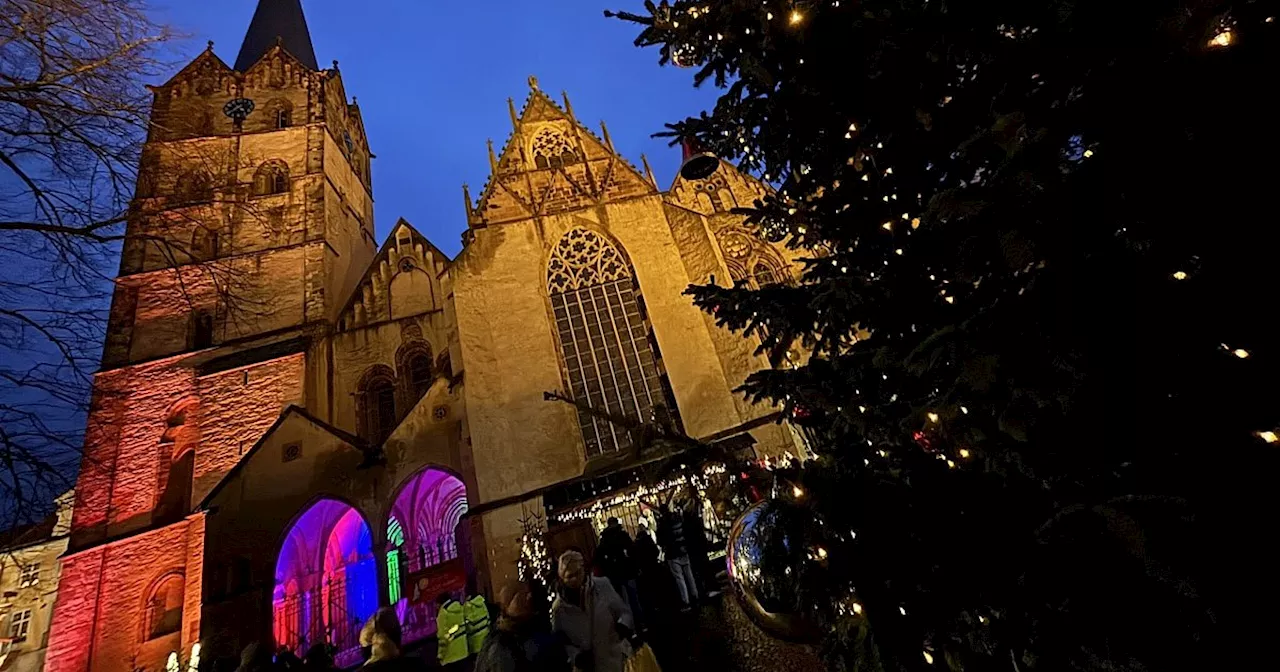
[413, 363]
[201, 330]
[377, 403]
[272, 178]
[603, 338]
[552, 150]
[763, 274]
[204, 243]
[280, 113]
[164, 606]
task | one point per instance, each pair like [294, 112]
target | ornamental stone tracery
[583, 258]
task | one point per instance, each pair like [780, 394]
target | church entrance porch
[325, 581]
[427, 552]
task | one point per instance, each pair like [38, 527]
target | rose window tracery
[583, 258]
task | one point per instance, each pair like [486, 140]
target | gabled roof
[346, 437]
[346, 316]
[277, 21]
[538, 106]
[207, 60]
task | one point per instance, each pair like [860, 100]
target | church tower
[251, 224]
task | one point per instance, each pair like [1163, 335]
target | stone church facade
[293, 426]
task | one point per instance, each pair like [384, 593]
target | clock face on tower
[238, 108]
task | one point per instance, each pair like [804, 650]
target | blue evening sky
[433, 78]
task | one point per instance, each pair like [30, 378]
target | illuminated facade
[293, 426]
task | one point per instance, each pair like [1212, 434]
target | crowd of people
[597, 623]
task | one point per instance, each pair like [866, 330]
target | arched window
[164, 606]
[204, 243]
[763, 274]
[272, 178]
[413, 363]
[552, 150]
[603, 337]
[175, 464]
[377, 403]
[280, 113]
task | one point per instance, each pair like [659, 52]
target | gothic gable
[719, 193]
[551, 163]
[403, 280]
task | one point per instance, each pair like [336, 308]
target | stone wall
[100, 615]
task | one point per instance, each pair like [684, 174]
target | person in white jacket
[594, 621]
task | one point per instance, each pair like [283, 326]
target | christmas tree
[1034, 337]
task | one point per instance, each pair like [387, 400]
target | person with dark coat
[616, 556]
[695, 537]
[671, 539]
[518, 644]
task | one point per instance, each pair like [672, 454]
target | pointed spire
[277, 22]
[515, 117]
[533, 82]
[466, 199]
[604, 133]
[568, 107]
[647, 170]
[493, 159]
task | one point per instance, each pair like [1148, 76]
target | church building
[294, 425]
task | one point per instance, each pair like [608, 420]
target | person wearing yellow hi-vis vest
[477, 615]
[451, 631]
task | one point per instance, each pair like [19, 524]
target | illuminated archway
[423, 558]
[326, 582]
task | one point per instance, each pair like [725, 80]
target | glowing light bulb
[797, 491]
[1241, 353]
[902, 611]
[887, 226]
[822, 553]
[915, 223]
[964, 410]
[964, 452]
[857, 608]
[933, 417]
[951, 299]
[928, 657]
[1223, 39]
[898, 251]
[796, 17]
[1179, 275]
[1268, 436]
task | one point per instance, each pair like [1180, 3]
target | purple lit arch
[423, 556]
[326, 580]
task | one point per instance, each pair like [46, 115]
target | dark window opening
[164, 607]
[202, 336]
